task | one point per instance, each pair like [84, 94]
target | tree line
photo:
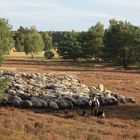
[118, 44]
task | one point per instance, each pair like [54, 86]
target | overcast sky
[68, 14]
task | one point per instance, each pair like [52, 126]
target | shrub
[49, 54]
[3, 85]
[1, 60]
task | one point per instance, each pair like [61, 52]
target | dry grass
[122, 122]
[28, 125]
[22, 55]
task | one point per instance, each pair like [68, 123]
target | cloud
[49, 10]
[62, 13]
[121, 3]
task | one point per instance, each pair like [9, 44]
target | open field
[22, 55]
[122, 122]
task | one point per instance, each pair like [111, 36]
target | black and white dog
[99, 113]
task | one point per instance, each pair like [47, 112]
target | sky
[65, 15]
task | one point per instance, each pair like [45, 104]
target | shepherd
[94, 103]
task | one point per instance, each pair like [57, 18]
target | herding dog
[99, 113]
[84, 114]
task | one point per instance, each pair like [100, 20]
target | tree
[6, 40]
[83, 40]
[33, 42]
[136, 50]
[69, 47]
[19, 38]
[57, 36]
[49, 54]
[47, 41]
[95, 42]
[121, 42]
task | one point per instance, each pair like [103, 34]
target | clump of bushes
[49, 54]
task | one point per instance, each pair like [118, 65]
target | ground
[121, 122]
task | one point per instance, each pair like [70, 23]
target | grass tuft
[3, 85]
